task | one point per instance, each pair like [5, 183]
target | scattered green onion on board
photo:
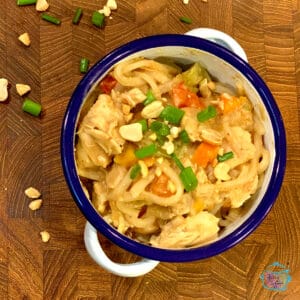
[184, 137]
[150, 98]
[186, 20]
[77, 15]
[50, 19]
[208, 113]
[84, 65]
[135, 171]
[98, 19]
[31, 107]
[225, 156]
[172, 114]
[146, 151]
[26, 2]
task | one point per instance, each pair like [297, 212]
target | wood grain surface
[268, 30]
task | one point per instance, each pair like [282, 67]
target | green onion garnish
[177, 161]
[172, 114]
[183, 135]
[144, 124]
[186, 20]
[208, 113]
[135, 171]
[50, 19]
[98, 19]
[160, 128]
[225, 156]
[84, 65]
[150, 98]
[146, 151]
[31, 107]
[26, 2]
[188, 179]
[77, 15]
[187, 175]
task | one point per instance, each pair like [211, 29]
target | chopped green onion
[225, 156]
[98, 19]
[150, 98]
[188, 179]
[26, 2]
[145, 151]
[50, 19]
[183, 135]
[172, 114]
[77, 15]
[84, 65]
[177, 161]
[135, 171]
[186, 20]
[208, 113]
[160, 128]
[144, 124]
[31, 107]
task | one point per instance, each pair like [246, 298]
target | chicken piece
[99, 197]
[241, 143]
[99, 131]
[133, 97]
[242, 117]
[185, 232]
[115, 175]
[89, 151]
[190, 123]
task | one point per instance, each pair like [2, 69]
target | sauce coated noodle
[172, 160]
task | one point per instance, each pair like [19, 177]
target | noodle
[160, 173]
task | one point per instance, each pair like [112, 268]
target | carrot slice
[205, 154]
[183, 97]
[159, 186]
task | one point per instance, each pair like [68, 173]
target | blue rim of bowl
[68, 158]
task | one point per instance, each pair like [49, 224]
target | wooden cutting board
[269, 31]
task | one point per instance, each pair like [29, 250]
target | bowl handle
[95, 250]
[220, 38]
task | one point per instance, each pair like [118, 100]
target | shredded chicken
[99, 132]
[185, 232]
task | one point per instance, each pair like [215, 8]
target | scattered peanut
[22, 89]
[152, 110]
[112, 4]
[105, 10]
[35, 204]
[45, 236]
[25, 39]
[174, 132]
[168, 147]
[32, 193]
[158, 172]
[41, 5]
[185, 1]
[153, 136]
[108, 7]
[131, 132]
[3, 89]
[221, 171]
[171, 187]
[144, 168]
